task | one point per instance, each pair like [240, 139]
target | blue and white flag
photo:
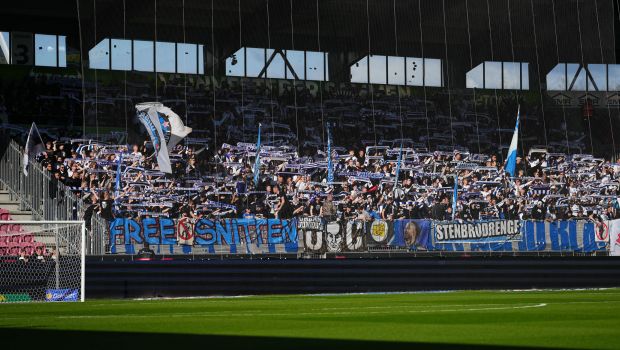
[148, 115]
[455, 195]
[511, 160]
[330, 168]
[173, 126]
[257, 161]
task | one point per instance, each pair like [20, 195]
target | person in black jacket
[284, 209]
[439, 209]
[539, 212]
[106, 207]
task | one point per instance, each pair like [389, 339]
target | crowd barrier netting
[316, 236]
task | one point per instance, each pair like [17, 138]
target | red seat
[4, 215]
[13, 241]
[13, 228]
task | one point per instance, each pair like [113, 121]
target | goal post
[42, 261]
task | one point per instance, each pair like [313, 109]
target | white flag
[34, 146]
[177, 129]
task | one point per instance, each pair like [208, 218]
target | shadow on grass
[117, 340]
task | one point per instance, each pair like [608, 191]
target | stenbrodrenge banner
[477, 231]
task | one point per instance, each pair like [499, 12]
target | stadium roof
[349, 29]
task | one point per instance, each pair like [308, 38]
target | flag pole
[257, 160]
[455, 194]
[400, 159]
[330, 170]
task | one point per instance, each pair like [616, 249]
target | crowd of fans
[215, 179]
[122, 181]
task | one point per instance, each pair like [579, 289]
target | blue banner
[414, 234]
[128, 235]
[256, 236]
[62, 295]
[559, 236]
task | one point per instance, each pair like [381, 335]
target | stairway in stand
[10, 208]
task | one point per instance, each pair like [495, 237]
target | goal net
[41, 261]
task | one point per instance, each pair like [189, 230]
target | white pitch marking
[266, 298]
[229, 314]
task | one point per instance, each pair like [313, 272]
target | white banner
[601, 233]
[614, 237]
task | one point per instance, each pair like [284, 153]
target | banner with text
[196, 236]
[477, 231]
[536, 236]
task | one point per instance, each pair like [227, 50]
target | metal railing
[47, 198]
[98, 236]
[38, 192]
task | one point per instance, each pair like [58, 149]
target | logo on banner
[602, 232]
[61, 295]
[379, 231]
[333, 237]
[185, 232]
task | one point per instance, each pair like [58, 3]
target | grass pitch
[587, 319]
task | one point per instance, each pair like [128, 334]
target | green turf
[588, 319]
